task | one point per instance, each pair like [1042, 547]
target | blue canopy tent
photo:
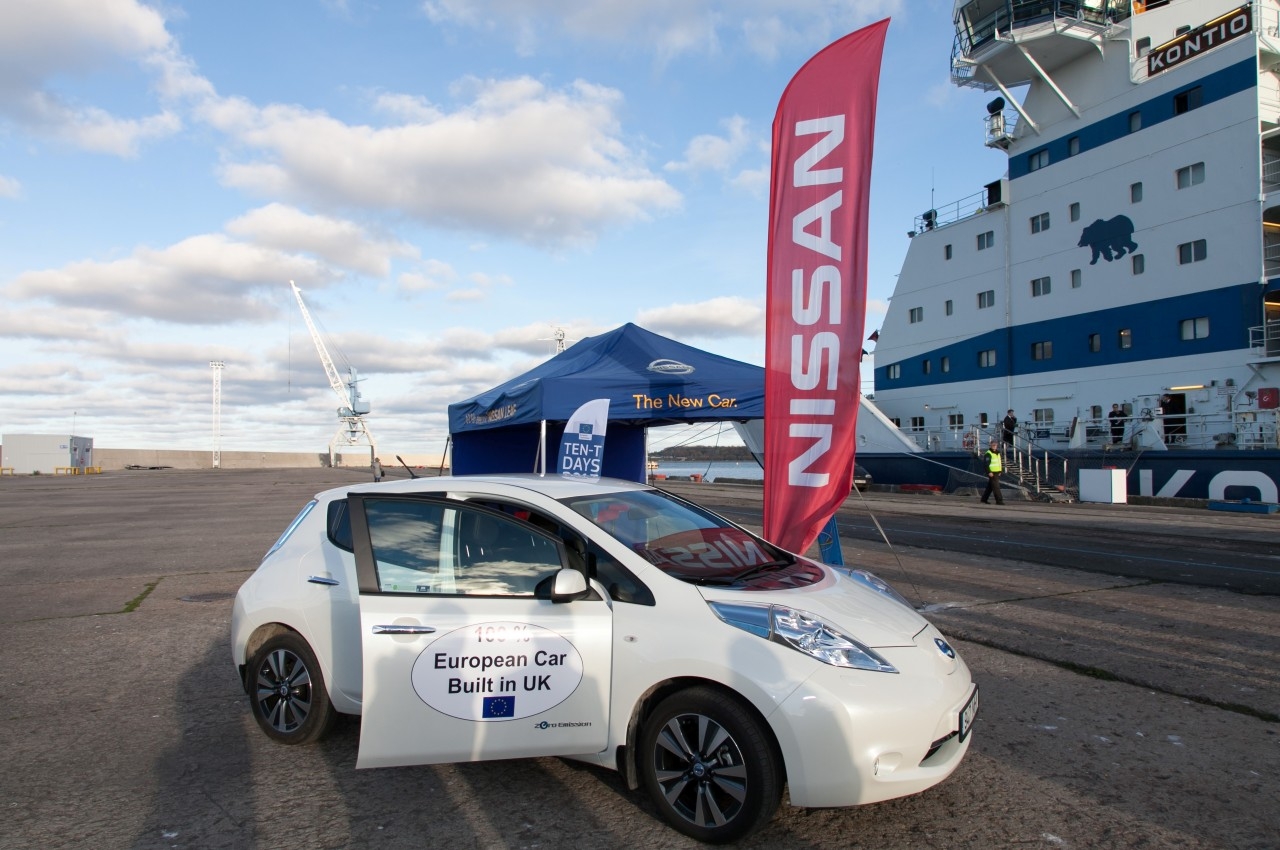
[649, 380]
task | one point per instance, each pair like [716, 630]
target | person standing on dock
[377, 469]
[994, 468]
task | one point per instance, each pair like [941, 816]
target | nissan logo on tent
[670, 367]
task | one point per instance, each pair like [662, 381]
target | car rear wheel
[709, 766]
[287, 692]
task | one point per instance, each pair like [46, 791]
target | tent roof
[648, 379]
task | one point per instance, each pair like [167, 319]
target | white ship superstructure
[1131, 253]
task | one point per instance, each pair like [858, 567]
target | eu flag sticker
[499, 707]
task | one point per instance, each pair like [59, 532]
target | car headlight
[803, 632]
[879, 585]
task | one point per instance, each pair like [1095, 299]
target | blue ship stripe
[1234, 79]
[1155, 325]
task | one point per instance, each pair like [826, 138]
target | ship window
[1042, 416]
[1074, 210]
[1095, 412]
[947, 251]
[926, 367]
[1192, 252]
[894, 371]
[1139, 263]
[1073, 146]
[986, 240]
[950, 306]
[1126, 338]
[917, 423]
[1095, 342]
[1038, 160]
[1076, 278]
[1039, 222]
[983, 421]
[1188, 100]
[987, 358]
[1039, 286]
[946, 363]
[1135, 121]
[1190, 175]
[1144, 47]
[986, 299]
[915, 315]
[955, 420]
[1135, 192]
[1197, 328]
[1042, 350]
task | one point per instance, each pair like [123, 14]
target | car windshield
[688, 542]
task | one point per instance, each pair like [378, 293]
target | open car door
[467, 655]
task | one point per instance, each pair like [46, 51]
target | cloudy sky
[447, 181]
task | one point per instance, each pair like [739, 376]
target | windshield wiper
[766, 567]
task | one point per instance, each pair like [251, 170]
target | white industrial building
[47, 454]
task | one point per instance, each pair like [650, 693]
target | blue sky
[447, 181]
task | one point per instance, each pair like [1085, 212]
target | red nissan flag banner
[817, 288]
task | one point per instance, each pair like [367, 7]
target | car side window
[621, 585]
[618, 580]
[339, 525]
[429, 547]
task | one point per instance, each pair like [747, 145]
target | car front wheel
[287, 692]
[709, 766]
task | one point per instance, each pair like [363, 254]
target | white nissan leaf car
[495, 617]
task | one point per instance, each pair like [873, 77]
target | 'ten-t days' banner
[582, 446]
[816, 299]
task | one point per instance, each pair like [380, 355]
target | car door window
[430, 547]
[620, 583]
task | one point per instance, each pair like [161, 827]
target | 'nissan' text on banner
[816, 300]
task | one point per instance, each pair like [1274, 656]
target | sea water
[710, 471]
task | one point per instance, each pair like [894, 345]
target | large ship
[1118, 288]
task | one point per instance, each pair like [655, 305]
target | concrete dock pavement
[1118, 711]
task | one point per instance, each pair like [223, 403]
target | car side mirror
[568, 586]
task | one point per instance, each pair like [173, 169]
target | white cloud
[343, 243]
[9, 187]
[712, 319]
[715, 153]
[430, 275]
[665, 28]
[44, 42]
[520, 160]
[204, 279]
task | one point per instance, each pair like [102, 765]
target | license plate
[968, 714]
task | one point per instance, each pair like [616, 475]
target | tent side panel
[514, 449]
[496, 450]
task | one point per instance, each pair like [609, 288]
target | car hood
[864, 614]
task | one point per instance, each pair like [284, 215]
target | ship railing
[952, 212]
[973, 35]
[1271, 166]
[1035, 461]
[1266, 338]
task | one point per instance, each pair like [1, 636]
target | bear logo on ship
[1109, 239]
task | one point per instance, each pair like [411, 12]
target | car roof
[552, 486]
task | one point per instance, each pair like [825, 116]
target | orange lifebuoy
[970, 441]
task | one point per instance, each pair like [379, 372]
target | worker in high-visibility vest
[994, 467]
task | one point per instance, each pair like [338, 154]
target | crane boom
[352, 429]
[335, 380]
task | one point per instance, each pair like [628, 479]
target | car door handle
[404, 630]
[328, 582]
